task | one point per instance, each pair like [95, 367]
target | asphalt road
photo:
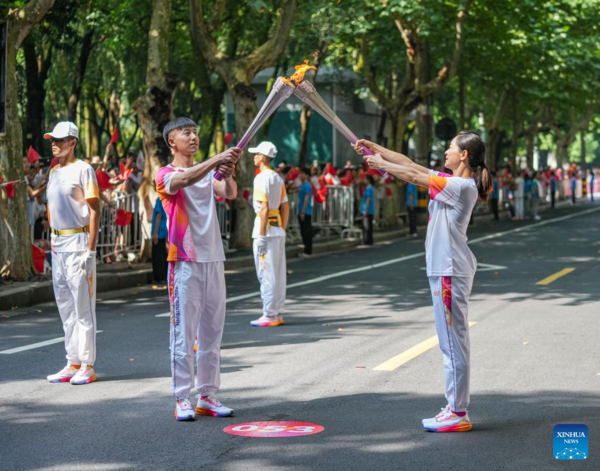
[535, 364]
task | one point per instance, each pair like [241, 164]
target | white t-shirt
[269, 187]
[194, 233]
[446, 249]
[68, 189]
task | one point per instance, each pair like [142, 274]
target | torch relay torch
[279, 93]
[306, 92]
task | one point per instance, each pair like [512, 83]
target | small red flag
[10, 190]
[228, 138]
[32, 154]
[103, 179]
[39, 256]
[124, 173]
[115, 136]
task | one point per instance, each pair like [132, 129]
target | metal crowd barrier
[224, 215]
[336, 213]
[293, 228]
[117, 241]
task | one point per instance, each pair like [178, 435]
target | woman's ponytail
[475, 147]
[484, 182]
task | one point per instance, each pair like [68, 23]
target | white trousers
[272, 275]
[197, 296]
[519, 207]
[74, 284]
[450, 307]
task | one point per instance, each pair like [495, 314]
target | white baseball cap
[265, 148]
[62, 130]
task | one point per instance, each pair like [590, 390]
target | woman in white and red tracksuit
[450, 263]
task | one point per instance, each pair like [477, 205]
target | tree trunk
[245, 109]
[155, 108]
[530, 147]
[15, 231]
[461, 104]
[238, 74]
[493, 143]
[582, 153]
[396, 127]
[36, 72]
[86, 48]
[562, 150]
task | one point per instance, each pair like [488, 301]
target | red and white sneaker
[184, 410]
[64, 375]
[85, 375]
[448, 421]
[210, 405]
[266, 321]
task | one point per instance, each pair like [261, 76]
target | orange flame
[299, 74]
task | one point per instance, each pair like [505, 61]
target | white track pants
[197, 295]
[272, 275]
[75, 292]
[450, 306]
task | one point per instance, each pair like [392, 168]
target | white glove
[261, 245]
[87, 258]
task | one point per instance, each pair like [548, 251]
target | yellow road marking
[556, 276]
[405, 357]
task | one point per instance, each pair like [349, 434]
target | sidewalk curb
[42, 292]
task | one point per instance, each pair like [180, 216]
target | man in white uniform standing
[74, 216]
[196, 276]
[272, 210]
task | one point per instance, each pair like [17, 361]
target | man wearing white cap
[272, 212]
[74, 216]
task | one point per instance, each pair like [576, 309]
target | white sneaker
[448, 421]
[184, 410]
[65, 374]
[210, 405]
[266, 321]
[85, 375]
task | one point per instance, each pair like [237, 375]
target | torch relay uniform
[196, 283]
[451, 268]
[74, 266]
[271, 266]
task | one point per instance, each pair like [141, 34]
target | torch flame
[299, 74]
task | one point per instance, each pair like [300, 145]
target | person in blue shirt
[527, 194]
[495, 196]
[412, 199]
[368, 211]
[159, 242]
[573, 186]
[305, 211]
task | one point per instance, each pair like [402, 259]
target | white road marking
[36, 345]
[408, 257]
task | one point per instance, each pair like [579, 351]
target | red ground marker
[273, 429]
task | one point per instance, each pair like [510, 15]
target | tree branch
[217, 18]
[446, 73]
[270, 51]
[202, 38]
[405, 33]
[379, 95]
[26, 17]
